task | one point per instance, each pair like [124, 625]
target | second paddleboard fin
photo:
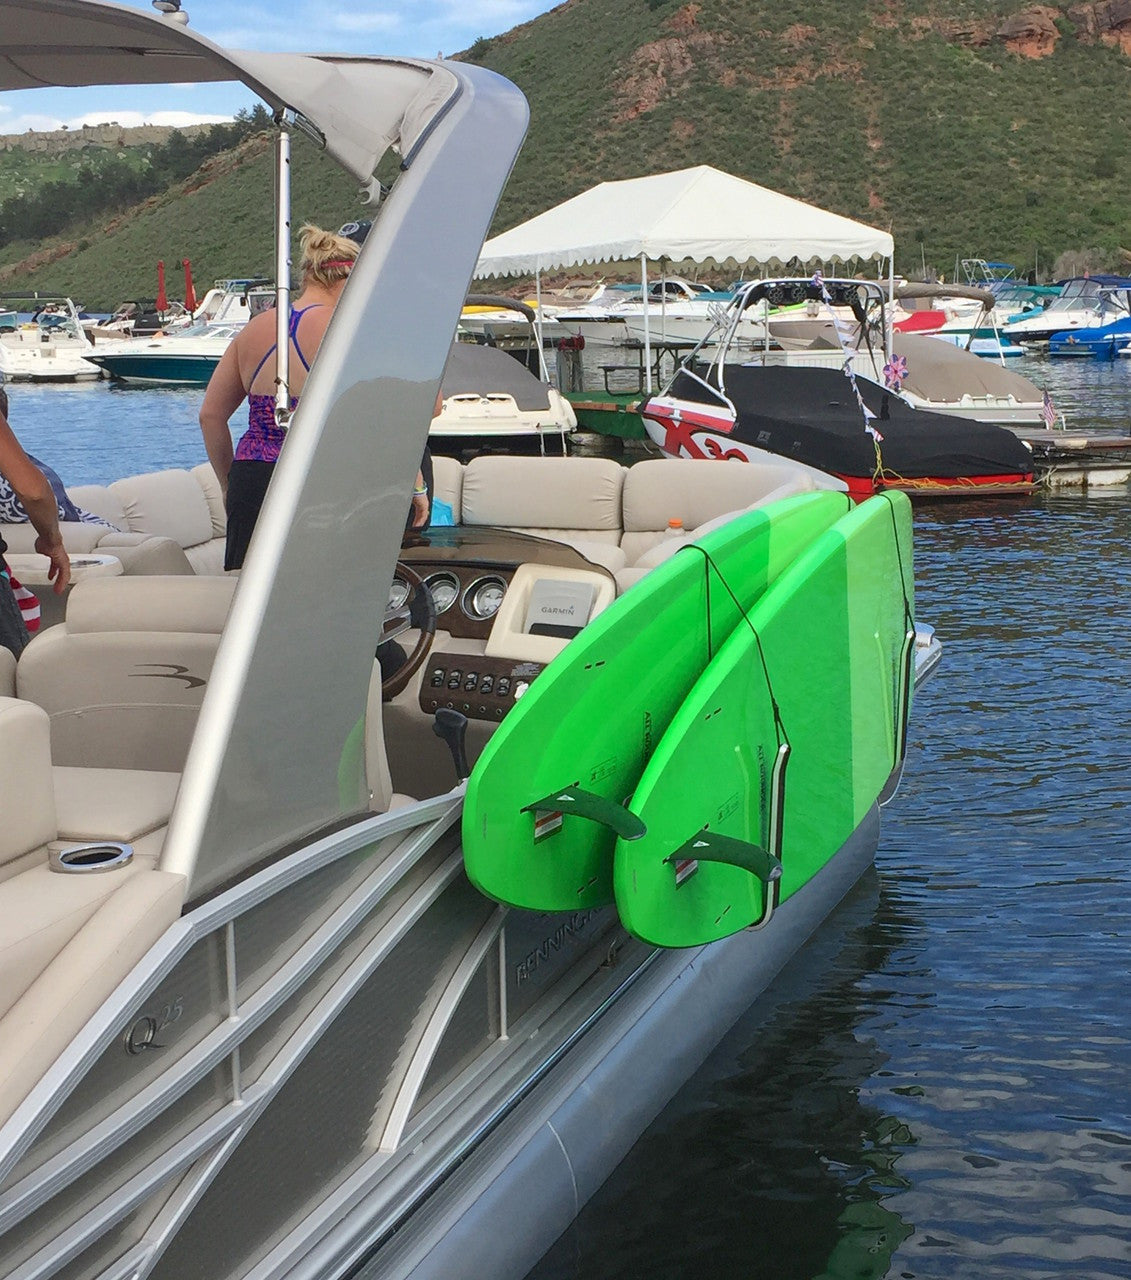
[711, 846]
[599, 809]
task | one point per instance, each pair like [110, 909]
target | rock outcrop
[1108, 21]
[1031, 34]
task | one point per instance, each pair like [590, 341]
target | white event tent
[701, 214]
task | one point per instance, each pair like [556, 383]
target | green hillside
[893, 112]
[969, 128]
[221, 218]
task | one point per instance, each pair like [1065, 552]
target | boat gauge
[444, 588]
[482, 599]
[398, 594]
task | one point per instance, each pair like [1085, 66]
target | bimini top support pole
[283, 274]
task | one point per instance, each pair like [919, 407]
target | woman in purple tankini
[248, 370]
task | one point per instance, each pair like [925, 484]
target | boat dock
[1063, 458]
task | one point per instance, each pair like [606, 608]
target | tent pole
[538, 323]
[889, 339]
[647, 333]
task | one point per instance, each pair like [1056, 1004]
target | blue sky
[416, 28]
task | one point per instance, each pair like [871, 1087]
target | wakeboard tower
[833, 419]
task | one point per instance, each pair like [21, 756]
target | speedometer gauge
[444, 588]
[398, 594]
[482, 599]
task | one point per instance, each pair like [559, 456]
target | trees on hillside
[108, 184]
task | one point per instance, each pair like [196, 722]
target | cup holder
[84, 859]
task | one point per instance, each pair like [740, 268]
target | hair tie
[336, 262]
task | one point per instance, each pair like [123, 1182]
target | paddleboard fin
[711, 846]
[595, 808]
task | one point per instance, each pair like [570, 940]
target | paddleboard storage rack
[765, 864]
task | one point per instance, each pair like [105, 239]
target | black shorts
[247, 487]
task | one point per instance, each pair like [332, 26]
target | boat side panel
[557, 1148]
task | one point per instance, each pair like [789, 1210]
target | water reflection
[768, 1164]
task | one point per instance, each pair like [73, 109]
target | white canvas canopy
[700, 214]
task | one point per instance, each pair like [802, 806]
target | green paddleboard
[785, 742]
[545, 801]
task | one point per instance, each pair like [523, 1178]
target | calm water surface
[940, 1086]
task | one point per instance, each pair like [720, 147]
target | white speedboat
[255, 1020]
[675, 310]
[1085, 302]
[50, 346]
[497, 393]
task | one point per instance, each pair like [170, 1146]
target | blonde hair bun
[326, 257]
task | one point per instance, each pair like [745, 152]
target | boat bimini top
[265, 763]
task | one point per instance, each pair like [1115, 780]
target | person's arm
[224, 395]
[33, 490]
[419, 517]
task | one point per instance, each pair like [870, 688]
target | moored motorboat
[50, 346]
[257, 1021]
[833, 418]
[870, 437]
[494, 398]
[1084, 302]
[1103, 342]
[187, 357]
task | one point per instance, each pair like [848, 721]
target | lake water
[940, 1085]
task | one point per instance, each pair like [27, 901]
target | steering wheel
[417, 611]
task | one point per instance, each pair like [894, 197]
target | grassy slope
[850, 104]
[224, 226]
[861, 106]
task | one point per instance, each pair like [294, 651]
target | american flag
[1048, 412]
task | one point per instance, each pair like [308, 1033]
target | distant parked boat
[1102, 341]
[50, 347]
[188, 356]
[1086, 302]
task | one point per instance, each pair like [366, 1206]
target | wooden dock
[1063, 458]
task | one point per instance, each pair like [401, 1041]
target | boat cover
[473, 369]
[811, 416]
[940, 372]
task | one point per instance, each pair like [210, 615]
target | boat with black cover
[833, 418]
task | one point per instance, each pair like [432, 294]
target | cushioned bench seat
[619, 517]
[164, 522]
[67, 939]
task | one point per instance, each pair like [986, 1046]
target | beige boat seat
[123, 677]
[67, 939]
[7, 673]
[572, 500]
[702, 495]
[695, 491]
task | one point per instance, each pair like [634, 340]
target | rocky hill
[106, 136]
[967, 127]
[987, 128]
